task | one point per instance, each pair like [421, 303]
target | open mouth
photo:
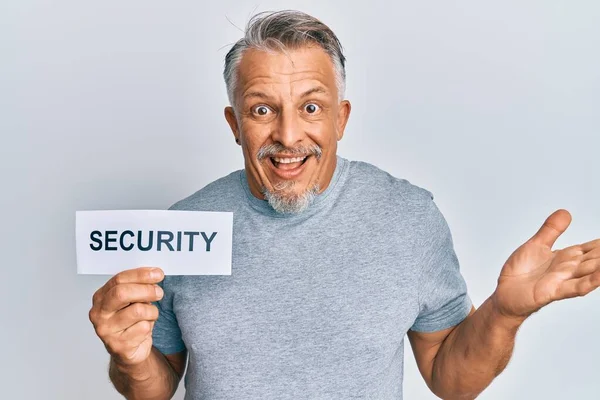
[288, 163]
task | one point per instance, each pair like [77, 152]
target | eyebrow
[256, 94]
[317, 89]
[261, 95]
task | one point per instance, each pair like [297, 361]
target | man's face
[288, 120]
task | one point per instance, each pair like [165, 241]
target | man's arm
[460, 362]
[156, 378]
[534, 276]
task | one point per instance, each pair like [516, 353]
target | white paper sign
[180, 242]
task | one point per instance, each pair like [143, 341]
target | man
[333, 263]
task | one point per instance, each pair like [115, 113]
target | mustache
[270, 150]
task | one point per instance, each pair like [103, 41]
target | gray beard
[285, 203]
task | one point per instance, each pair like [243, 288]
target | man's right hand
[123, 316]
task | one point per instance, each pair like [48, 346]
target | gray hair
[294, 204]
[280, 30]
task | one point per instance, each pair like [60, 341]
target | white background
[494, 107]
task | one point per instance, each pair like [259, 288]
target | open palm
[534, 275]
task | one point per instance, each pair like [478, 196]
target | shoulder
[381, 186]
[220, 195]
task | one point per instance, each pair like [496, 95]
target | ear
[232, 121]
[342, 118]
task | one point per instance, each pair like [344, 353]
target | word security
[144, 241]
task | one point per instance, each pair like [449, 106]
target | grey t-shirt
[318, 304]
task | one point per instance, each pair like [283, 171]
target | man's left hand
[535, 275]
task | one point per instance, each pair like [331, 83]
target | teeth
[288, 160]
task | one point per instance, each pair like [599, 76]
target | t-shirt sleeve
[166, 335]
[443, 298]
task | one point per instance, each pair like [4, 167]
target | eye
[312, 108]
[261, 110]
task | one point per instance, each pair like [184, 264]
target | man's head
[286, 81]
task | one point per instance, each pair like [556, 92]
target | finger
[124, 342]
[592, 245]
[124, 294]
[132, 314]
[579, 286]
[137, 331]
[571, 253]
[593, 254]
[586, 268]
[581, 252]
[552, 228]
[137, 334]
[136, 275]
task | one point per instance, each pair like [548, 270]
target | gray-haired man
[334, 261]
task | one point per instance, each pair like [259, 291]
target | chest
[302, 294]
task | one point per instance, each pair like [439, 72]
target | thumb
[553, 227]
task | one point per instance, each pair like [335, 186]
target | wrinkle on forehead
[270, 71]
[299, 87]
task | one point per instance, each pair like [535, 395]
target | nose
[288, 130]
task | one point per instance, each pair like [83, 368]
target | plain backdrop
[493, 107]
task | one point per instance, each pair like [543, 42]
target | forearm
[153, 379]
[474, 353]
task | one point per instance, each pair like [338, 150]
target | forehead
[273, 71]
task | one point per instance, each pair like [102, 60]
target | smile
[287, 167]
[289, 160]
